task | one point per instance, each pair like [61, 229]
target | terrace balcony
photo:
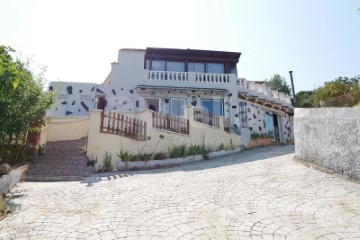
[263, 93]
[191, 79]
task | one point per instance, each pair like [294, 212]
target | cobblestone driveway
[257, 194]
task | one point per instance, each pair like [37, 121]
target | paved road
[257, 194]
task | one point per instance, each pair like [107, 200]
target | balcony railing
[189, 76]
[206, 118]
[168, 76]
[212, 77]
[264, 91]
[170, 123]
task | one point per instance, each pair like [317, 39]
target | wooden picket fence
[206, 118]
[170, 123]
[116, 123]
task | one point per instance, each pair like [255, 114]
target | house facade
[166, 80]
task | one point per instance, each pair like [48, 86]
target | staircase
[63, 161]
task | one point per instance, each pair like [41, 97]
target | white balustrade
[263, 90]
[188, 76]
[212, 78]
[168, 76]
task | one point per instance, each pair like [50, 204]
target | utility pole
[292, 88]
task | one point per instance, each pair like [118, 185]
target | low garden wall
[99, 143]
[65, 128]
[11, 179]
[172, 161]
[329, 137]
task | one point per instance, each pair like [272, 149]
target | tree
[278, 83]
[305, 99]
[22, 99]
[342, 91]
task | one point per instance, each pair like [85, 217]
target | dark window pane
[196, 67]
[215, 68]
[158, 65]
[207, 105]
[218, 108]
[175, 66]
[174, 107]
[182, 103]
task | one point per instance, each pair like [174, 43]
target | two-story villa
[165, 80]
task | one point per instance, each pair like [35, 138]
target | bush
[194, 150]
[107, 167]
[124, 155]
[178, 151]
[144, 156]
[255, 135]
[221, 147]
[91, 163]
[160, 156]
[133, 157]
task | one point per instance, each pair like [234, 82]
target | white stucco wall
[66, 128]
[256, 121]
[329, 137]
[72, 99]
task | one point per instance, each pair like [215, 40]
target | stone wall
[329, 137]
[11, 179]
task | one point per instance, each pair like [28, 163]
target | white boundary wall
[329, 137]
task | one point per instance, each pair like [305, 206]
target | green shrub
[221, 147]
[124, 155]
[107, 167]
[91, 163]
[178, 151]
[144, 156]
[194, 150]
[255, 135]
[160, 156]
[133, 157]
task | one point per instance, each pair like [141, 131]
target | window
[158, 65]
[215, 68]
[196, 67]
[177, 106]
[242, 114]
[269, 120]
[164, 107]
[175, 66]
[191, 66]
[213, 106]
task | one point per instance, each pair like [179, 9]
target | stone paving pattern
[257, 194]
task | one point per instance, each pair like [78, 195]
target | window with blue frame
[177, 106]
[213, 106]
[269, 120]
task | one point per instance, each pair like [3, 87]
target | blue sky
[77, 40]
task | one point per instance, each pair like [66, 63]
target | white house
[165, 80]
